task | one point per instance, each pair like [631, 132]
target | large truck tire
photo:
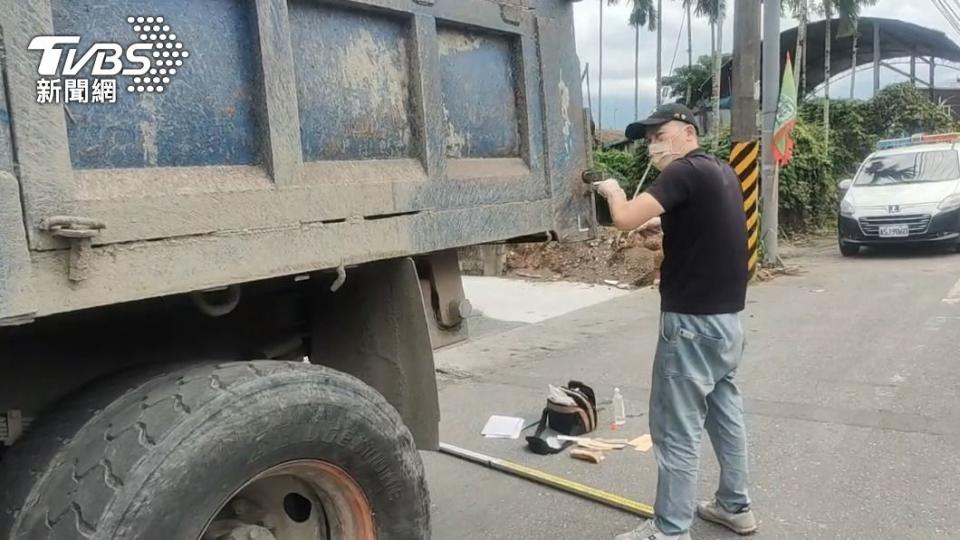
[258, 450]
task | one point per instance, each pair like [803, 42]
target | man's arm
[629, 215]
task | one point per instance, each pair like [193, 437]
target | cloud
[618, 50]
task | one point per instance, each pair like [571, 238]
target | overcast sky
[618, 50]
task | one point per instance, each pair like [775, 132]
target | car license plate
[894, 231]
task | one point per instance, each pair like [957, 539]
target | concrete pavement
[852, 380]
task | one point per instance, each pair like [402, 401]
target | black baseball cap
[663, 114]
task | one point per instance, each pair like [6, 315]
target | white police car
[908, 191]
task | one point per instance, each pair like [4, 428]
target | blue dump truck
[228, 234]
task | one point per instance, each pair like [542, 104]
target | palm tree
[849, 12]
[853, 59]
[644, 13]
[827, 60]
[713, 10]
[800, 11]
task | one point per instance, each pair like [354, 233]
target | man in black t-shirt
[703, 282]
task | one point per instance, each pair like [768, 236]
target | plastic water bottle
[619, 409]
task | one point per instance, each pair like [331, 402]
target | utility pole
[659, 52]
[636, 71]
[800, 54]
[744, 151]
[600, 78]
[770, 183]
[854, 57]
[876, 57]
[689, 49]
[746, 73]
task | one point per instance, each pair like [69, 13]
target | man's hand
[653, 225]
[610, 190]
[628, 215]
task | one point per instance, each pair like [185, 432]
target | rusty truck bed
[296, 136]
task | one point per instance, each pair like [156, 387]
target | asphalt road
[852, 381]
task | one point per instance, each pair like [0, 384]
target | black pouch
[562, 419]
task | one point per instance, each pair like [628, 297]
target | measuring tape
[556, 482]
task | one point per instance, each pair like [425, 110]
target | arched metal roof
[898, 39]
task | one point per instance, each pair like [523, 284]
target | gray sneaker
[649, 531]
[742, 523]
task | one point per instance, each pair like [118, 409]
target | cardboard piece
[596, 444]
[642, 443]
[593, 444]
[593, 456]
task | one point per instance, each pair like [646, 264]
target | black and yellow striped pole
[744, 132]
[745, 160]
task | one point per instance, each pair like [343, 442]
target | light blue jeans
[693, 387]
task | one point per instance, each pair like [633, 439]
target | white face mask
[662, 153]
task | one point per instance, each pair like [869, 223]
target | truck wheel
[258, 450]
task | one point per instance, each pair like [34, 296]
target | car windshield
[932, 166]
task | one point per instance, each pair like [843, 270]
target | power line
[954, 9]
[944, 13]
[948, 13]
[676, 47]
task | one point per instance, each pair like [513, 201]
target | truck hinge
[80, 232]
[442, 272]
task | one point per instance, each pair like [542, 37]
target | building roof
[898, 39]
[608, 136]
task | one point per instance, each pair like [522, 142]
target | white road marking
[953, 297]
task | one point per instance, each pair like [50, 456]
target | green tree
[711, 9]
[899, 110]
[626, 166]
[648, 12]
[691, 84]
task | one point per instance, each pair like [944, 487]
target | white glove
[610, 189]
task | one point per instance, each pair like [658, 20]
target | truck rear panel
[290, 136]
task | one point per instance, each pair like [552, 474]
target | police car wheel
[848, 250]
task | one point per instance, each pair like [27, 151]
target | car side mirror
[845, 184]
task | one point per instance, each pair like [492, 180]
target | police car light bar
[919, 138]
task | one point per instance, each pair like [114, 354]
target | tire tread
[87, 474]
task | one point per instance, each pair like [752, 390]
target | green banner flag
[786, 117]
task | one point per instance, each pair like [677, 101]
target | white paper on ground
[503, 427]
